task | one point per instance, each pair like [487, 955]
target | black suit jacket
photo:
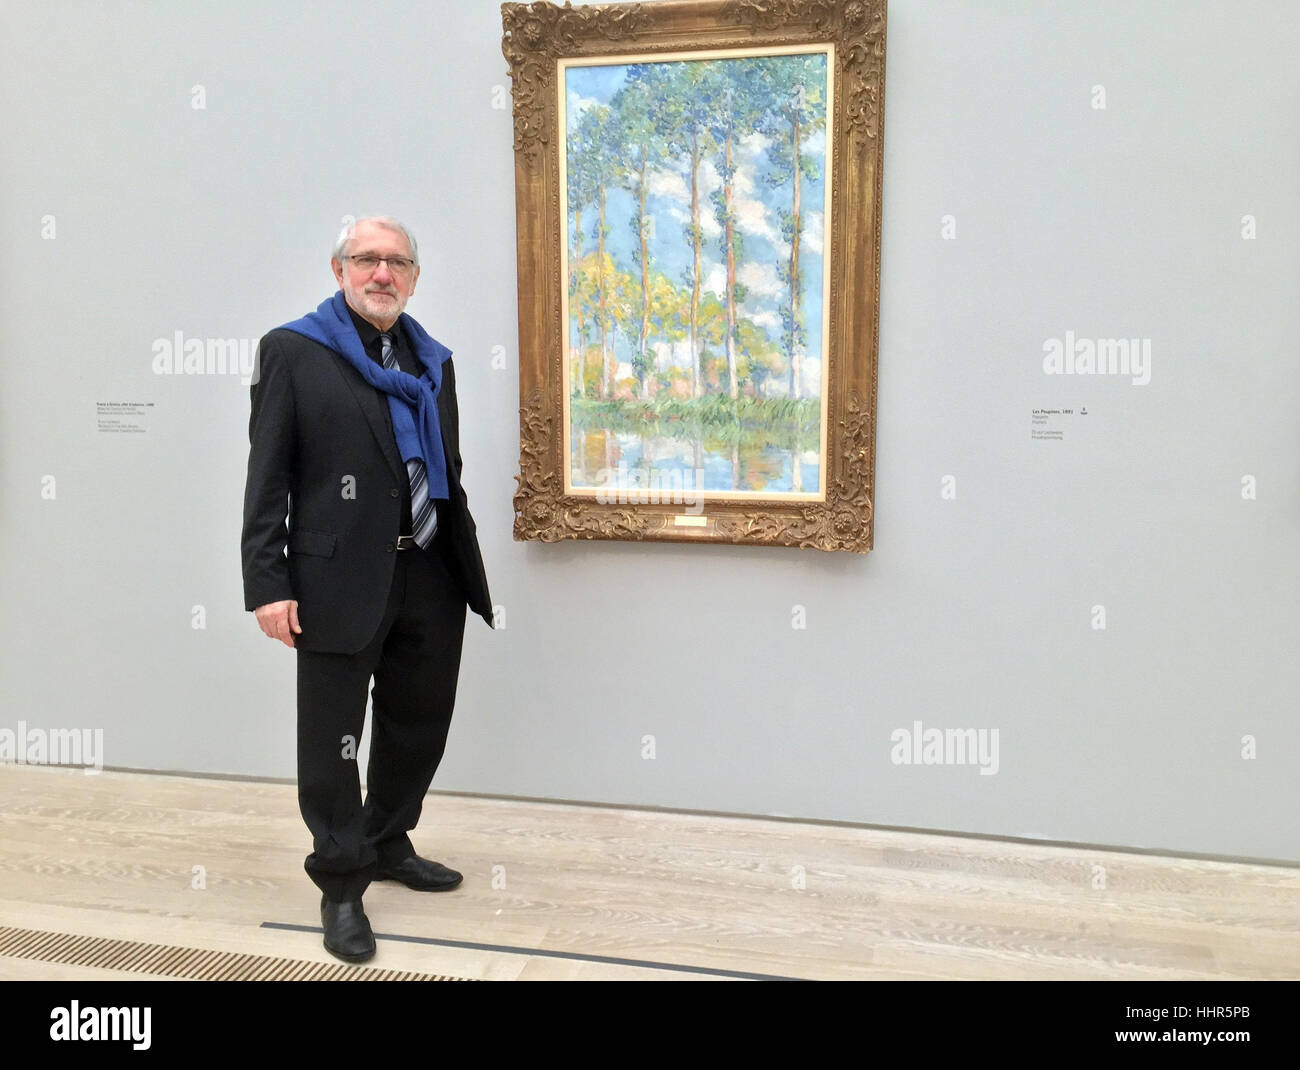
[325, 479]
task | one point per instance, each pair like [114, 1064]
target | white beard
[379, 305]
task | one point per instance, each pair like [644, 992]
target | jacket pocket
[315, 543]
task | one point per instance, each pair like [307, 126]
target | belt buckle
[406, 542]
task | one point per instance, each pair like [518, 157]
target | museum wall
[1108, 598]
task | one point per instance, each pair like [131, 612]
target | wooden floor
[555, 892]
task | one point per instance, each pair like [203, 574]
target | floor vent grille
[191, 963]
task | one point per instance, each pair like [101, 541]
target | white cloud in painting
[814, 144]
[754, 143]
[709, 180]
[672, 182]
[671, 185]
[715, 278]
[760, 279]
[767, 319]
[672, 354]
[574, 106]
[811, 377]
[752, 215]
[813, 236]
[708, 224]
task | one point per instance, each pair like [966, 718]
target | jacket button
[393, 493]
[389, 547]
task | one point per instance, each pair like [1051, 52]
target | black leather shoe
[348, 935]
[420, 874]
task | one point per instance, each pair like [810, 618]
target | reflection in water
[664, 460]
[770, 447]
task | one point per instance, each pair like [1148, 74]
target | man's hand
[279, 620]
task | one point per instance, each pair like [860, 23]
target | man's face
[377, 295]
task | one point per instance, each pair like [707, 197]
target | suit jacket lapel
[372, 406]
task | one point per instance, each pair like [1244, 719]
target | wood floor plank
[557, 891]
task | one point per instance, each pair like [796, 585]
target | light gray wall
[972, 612]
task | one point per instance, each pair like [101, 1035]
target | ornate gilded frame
[537, 36]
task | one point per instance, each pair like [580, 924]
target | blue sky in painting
[759, 207]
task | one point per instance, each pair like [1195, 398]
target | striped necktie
[424, 515]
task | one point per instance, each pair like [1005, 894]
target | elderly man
[355, 442]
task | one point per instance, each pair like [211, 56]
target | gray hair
[387, 222]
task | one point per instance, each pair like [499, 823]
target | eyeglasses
[398, 265]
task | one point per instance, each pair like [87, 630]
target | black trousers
[414, 659]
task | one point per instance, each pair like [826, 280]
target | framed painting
[697, 192]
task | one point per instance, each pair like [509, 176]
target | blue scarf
[413, 402]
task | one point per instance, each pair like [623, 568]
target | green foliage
[715, 418]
